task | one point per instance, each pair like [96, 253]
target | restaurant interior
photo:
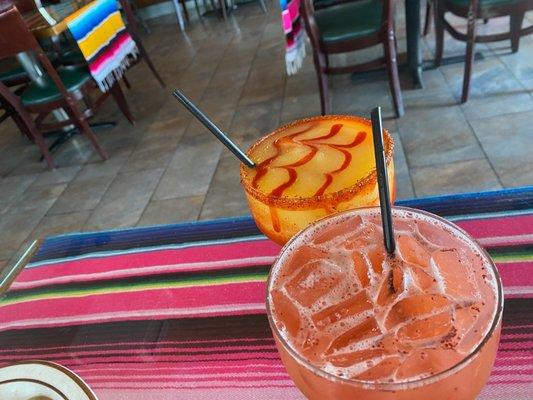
[94, 146]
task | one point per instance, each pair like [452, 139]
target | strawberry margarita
[352, 322]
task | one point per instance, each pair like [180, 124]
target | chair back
[23, 6]
[15, 37]
[307, 10]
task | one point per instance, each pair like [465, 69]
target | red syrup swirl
[262, 168]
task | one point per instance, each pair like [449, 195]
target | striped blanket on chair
[105, 43]
[294, 35]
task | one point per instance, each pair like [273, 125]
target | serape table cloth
[178, 311]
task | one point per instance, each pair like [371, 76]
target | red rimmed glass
[280, 214]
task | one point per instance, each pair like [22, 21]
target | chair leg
[470, 47]
[197, 6]
[427, 21]
[185, 12]
[126, 82]
[263, 6]
[83, 126]
[144, 55]
[516, 27]
[39, 141]
[438, 17]
[392, 68]
[122, 104]
[323, 87]
[27, 125]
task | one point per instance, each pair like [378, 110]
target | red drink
[351, 322]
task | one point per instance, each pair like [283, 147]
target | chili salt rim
[333, 198]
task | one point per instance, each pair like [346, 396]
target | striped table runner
[177, 311]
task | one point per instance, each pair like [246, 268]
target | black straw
[215, 130]
[383, 183]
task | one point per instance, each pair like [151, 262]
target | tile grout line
[164, 169]
[406, 161]
[472, 128]
[233, 117]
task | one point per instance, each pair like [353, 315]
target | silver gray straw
[215, 130]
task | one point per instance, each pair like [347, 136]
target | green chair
[63, 89]
[347, 27]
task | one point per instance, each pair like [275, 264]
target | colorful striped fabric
[177, 311]
[294, 35]
[103, 40]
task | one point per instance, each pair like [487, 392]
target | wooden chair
[473, 10]
[348, 27]
[57, 89]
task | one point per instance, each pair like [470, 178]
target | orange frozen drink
[352, 322]
[312, 168]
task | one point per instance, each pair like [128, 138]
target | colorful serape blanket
[178, 311]
[294, 35]
[105, 43]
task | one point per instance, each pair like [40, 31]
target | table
[177, 311]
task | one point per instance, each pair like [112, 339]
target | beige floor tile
[508, 143]
[226, 195]
[60, 224]
[457, 177]
[171, 211]
[12, 187]
[15, 228]
[435, 131]
[125, 200]
[37, 197]
[404, 187]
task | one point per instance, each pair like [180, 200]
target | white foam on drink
[340, 259]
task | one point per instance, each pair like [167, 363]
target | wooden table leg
[414, 53]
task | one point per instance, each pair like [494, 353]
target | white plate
[42, 380]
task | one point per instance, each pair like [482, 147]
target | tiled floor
[167, 168]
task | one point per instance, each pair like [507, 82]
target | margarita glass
[311, 168]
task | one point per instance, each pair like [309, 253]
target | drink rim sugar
[403, 385]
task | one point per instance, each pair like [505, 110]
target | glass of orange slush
[311, 168]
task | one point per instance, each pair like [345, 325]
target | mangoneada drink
[312, 168]
[351, 322]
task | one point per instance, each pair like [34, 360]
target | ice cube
[336, 312]
[364, 330]
[412, 252]
[314, 280]
[415, 306]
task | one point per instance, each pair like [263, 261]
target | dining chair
[348, 27]
[55, 90]
[474, 10]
